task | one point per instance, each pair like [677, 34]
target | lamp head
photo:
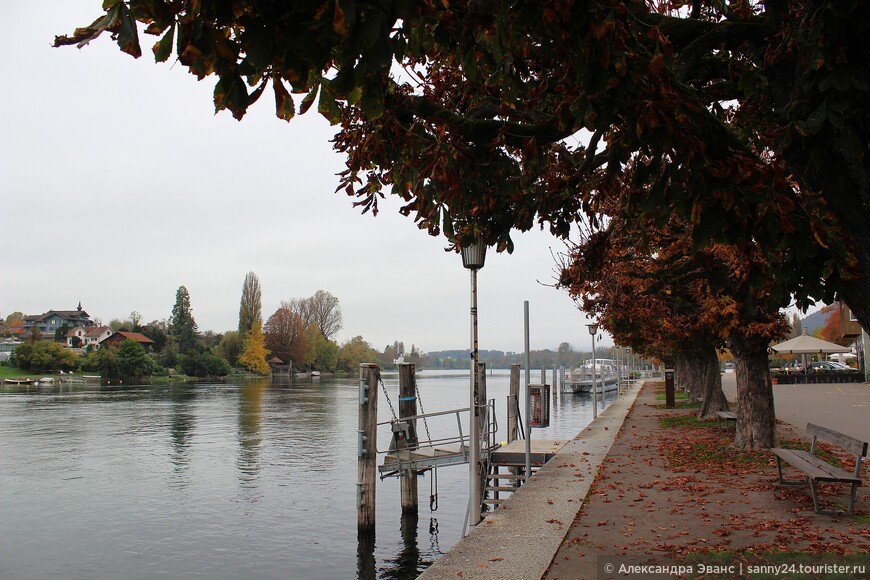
[474, 255]
[593, 328]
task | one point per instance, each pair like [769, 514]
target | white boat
[315, 374]
[580, 379]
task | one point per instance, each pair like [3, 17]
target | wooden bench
[726, 417]
[817, 469]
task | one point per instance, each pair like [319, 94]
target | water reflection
[366, 565]
[250, 441]
[181, 425]
[407, 563]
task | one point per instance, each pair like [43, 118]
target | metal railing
[429, 452]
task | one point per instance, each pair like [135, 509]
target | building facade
[53, 320]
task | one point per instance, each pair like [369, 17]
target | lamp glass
[593, 329]
[474, 255]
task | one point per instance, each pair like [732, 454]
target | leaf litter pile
[673, 486]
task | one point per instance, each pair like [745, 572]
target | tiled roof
[95, 331]
[137, 336]
[71, 314]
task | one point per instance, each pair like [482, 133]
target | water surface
[249, 480]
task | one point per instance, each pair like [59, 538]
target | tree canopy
[739, 116]
[285, 336]
[250, 307]
[254, 350]
[321, 309]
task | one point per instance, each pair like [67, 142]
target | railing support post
[369, 375]
[408, 408]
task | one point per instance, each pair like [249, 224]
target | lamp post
[473, 258]
[593, 330]
[628, 352]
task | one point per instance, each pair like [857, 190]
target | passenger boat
[580, 379]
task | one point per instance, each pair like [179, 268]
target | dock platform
[423, 458]
[514, 453]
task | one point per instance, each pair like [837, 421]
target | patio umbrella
[806, 344]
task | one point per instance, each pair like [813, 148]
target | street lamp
[593, 330]
[473, 258]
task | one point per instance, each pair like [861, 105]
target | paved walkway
[519, 539]
[658, 490]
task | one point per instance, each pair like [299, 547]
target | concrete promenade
[519, 539]
[631, 485]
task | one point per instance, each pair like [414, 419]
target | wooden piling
[408, 408]
[485, 435]
[369, 375]
[481, 395]
[513, 405]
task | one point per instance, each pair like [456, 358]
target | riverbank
[668, 490]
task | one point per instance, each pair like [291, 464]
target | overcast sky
[120, 184]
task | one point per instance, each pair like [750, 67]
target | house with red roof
[118, 337]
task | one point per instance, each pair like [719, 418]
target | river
[248, 480]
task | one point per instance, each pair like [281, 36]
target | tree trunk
[688, 373]
[681, 378]
[756, 418]
[714, 397]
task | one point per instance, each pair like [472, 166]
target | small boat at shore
[27, 381]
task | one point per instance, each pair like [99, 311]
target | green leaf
[372, 103]
[231, 93]
[327, 105]
[817, 118]
[163, 47]
[128, 35]
[309, 99]
[285, 108]
[110, 4]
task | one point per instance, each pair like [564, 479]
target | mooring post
[513, 406]
[554, 388]
[485, 420]
[408, 408]
[482, 400]
[369, 375]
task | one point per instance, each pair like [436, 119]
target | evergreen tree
[250, 309]
[254, 351]
[182, 325]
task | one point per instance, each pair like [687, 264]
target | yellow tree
[254, 350]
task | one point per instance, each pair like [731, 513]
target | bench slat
[850, 444]
[815, 468]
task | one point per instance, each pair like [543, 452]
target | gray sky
[118, 184]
